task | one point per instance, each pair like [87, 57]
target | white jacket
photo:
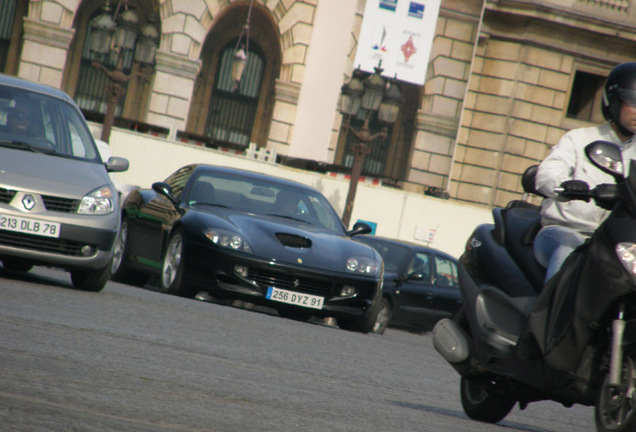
[567, 161]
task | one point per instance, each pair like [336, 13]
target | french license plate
[294, 298]
[29, 226]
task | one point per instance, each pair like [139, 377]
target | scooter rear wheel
[615, 408]
[484, 399]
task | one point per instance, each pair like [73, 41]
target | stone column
[44, 52]
[172, 90]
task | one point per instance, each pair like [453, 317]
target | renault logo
[28, 202]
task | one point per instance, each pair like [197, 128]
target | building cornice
[175, 64]
[287, 92]
[437, 124]
[604, 22]
[47, 34]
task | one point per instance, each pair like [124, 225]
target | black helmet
[620, 86]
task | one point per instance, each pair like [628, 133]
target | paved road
[129, 359]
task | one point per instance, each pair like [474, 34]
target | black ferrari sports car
[242, 235]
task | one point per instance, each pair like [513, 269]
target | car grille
[64, 205]
[41, 244]
[6, 195]
[52, 203]
[300, 284]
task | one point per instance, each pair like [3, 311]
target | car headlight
[363, 265]
[99, 202]
[228, 239]
[627, 256]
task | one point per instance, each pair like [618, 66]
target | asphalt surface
[130, 359]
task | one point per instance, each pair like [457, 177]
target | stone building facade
[506, 78]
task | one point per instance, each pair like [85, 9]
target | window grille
[375, 161]
[231, 113]
[7, 17]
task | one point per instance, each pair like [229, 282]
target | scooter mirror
[606, 156]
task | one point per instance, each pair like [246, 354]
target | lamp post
[374, 94]
[119, 33]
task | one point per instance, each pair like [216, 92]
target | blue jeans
[553, 244]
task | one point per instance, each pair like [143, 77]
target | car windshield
[392, 254]
[264, 198]
[35, 122]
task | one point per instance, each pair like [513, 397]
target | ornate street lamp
[119, 33]
[373, 95]
[242, 50]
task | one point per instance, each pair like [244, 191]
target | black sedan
[242, 235]
[420, 284]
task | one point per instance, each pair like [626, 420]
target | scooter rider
[568, 224]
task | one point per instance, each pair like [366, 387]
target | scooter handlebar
[604, 195]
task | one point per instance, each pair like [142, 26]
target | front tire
[364, 324]
[119, 271]
[615, 408]
[384, 317]
[484, 400]
[16, 264]
[172, 279]
[90, 280]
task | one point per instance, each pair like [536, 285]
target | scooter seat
[521, 225]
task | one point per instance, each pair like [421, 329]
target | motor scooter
[571, 340]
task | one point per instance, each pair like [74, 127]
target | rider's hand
[606, 195]
[575, 189]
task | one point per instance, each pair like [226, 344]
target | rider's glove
[575, 189]
[606, 195]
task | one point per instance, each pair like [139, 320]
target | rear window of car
[445, 272]
[392, 254]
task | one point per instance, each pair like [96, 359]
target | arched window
[389, 156]
[85, 76]
[12, 13]
[7, 14]
[232, 110]
[375, 161]
[90, 93]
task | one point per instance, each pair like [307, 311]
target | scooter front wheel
[484, 399]
[616, 405]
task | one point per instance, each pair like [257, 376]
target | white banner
[400, 34]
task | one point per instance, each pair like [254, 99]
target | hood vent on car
[293, 240]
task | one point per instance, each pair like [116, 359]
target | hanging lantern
[126, 30]
[373, 90]
[238, 64]
[390, 106]
[102, 28]
[351, 94]
[147, 44]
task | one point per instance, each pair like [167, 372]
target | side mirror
[117, 164]
[606, 156]
[416, 276]
[360, 228]
[164, 189]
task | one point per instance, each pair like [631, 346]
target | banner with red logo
[399, 33]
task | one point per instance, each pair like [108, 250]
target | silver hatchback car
[58, 206]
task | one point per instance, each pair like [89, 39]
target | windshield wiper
[21, 145]
[290, 217]
[210, 204]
